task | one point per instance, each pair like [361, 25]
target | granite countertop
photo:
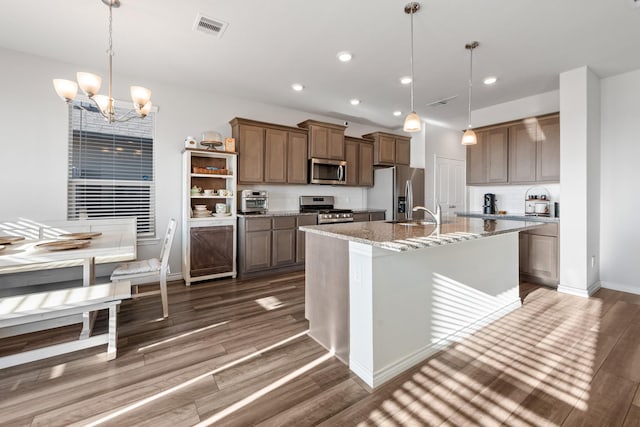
[275, 213]
[399, 237]
[368, 210]
[517, 217]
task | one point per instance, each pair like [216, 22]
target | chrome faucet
[437, 216]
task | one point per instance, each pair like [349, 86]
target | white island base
[383, 312]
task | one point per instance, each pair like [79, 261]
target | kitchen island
[383, 296]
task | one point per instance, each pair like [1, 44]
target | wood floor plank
[558, 360]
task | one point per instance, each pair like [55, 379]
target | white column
[580, 182]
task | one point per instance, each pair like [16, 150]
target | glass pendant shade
[89, 83]
[145, 110]
[66, 89]
[469, 137]
[140, 96]
[412, 123]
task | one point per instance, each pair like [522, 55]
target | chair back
[168, 240]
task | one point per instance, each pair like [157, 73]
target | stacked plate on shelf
[201, 211]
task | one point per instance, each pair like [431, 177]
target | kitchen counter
[519, 217]
[368, 210]
[396, 294]
[275, 213]
[410, 236]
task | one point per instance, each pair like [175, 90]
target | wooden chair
[150, 270]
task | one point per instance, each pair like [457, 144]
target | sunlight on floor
[184, 335]
[269, 303]
[185, 384]
[489, 377]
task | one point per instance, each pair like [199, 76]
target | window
[111, 167]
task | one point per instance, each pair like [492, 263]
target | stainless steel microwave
[325, 171]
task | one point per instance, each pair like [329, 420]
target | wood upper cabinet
[390, 149]
[352, 157]
[522, 153]
[250, 146]
[548, 150]
[270, 153]
[326, 140]
[297, 158]
[496, 143]
[365, 164]
[275, 159]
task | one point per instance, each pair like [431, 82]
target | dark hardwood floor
[235, 353]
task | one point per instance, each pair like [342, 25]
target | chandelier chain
[470, 85]
[412, 78]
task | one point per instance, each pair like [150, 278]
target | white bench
[35, 307]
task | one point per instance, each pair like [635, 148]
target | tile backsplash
[509, 198]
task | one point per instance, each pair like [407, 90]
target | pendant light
[412, 122]
[469, 137]
[90, 85]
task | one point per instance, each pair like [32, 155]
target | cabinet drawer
[282, 222]
[361, 217]
[307, 220]
[545, 230]
[258, 224]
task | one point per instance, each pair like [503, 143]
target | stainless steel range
[323, 206]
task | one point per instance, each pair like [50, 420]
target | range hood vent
[207, 25]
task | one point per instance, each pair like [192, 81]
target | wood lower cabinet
[539, 255]
[376, 216]
[271, 244]
[211, 250]
[361, 217]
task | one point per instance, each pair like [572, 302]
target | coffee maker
[489, 206]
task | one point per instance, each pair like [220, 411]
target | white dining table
[117, 243]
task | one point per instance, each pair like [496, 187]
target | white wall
[34, 135]
[510, 198]
[620, 175]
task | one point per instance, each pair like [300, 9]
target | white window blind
[111, 168]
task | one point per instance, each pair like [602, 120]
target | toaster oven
[252, 201]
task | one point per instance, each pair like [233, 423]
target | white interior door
[450, 184]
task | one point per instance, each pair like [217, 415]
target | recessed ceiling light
[354, 102]
[397, 113]
[345, 56]
[490, 80]
[297, 87]
[405, 80]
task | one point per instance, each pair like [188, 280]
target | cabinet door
[211, 250]
[403, 152]
[543, 256]
[365, 165]
[275, 156]
[386, 150]
[496, 155]
[284, 247]
[251, 154]
[523, 252]
[351, 155]
[361, 217]
[297, 158]
[522, 153]
[336, 144]
[319, 142]
[257, 250]
[376, 216]
[548, 147]
[476, 166]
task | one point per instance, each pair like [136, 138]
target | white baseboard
[390, 371]
[580, 292]
[621, 287]
[174, 276]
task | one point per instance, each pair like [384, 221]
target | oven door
[324, 171]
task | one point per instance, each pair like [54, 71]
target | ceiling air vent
[634, 3]
[207, 25]
[443, 101]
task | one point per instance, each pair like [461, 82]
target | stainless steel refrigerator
[397, 190]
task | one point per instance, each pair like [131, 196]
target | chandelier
[469, 137]
[90, 85]
[412, 122]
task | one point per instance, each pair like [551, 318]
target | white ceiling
[271, 44]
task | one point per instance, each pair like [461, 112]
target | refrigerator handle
[408, 194]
